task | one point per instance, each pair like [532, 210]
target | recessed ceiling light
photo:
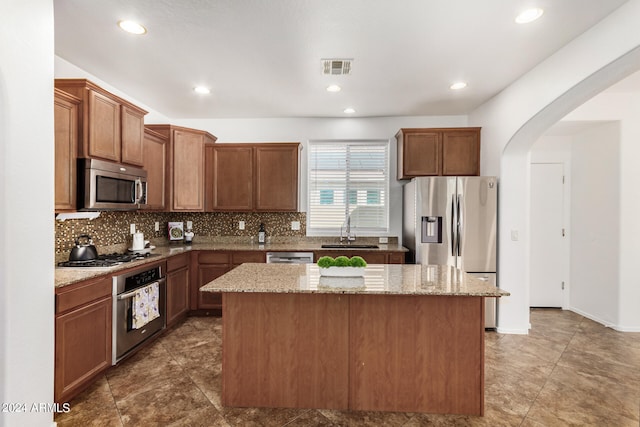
[349, 110]
[202, 90]
[132, 27]
[458, 86]
[333, 88]
[529, 15]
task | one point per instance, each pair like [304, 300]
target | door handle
[453, 231]
[459, 230]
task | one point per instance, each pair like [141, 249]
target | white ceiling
[262, 58]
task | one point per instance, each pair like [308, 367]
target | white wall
[64, 69]
[513, 120]
[26, 207]
[595, 223]
[624, 107]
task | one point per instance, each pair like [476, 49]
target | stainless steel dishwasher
[289, 257]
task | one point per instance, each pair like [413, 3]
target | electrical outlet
[295, 225]
[189, 225]
[132, 228]
[240, 225]
[383, 240]
[157, 226]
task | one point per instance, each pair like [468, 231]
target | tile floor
[569, 371]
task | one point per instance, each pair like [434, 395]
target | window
[348, 178]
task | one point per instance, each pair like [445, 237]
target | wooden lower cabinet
[371, 257]
[82, 335]
[177, 288]
[210, 265]
[401, 353]
[285, 350]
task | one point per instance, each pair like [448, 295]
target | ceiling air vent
[336, 67]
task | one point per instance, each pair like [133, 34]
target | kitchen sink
[348, 246]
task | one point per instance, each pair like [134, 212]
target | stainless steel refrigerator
[453, 221]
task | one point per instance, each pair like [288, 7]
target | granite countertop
[390, 279]
[67, 276]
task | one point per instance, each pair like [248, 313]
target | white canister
[138, 241]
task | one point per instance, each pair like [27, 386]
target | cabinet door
[206, 273]
[396, 258]
[231, 170]
[177, 295]
[461, 153]
[104, 127]
[155, 163]
[276, 177]
[66, 147]
[83, 347]
[420, 154]
[188, 171]
[132, 122]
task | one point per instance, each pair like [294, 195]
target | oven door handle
[131, 294]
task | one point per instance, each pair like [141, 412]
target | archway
[514, 177]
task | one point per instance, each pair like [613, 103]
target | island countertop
[384, 279]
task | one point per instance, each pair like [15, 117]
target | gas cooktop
[106, 260]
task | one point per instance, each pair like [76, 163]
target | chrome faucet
[349, 237]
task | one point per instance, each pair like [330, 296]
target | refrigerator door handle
[453, 230]
[459, 230]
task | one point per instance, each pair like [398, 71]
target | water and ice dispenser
[431, 229]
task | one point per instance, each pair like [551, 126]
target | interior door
[547, 242]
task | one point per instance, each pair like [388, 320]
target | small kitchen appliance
[84, 250]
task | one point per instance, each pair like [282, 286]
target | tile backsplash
[112, 228]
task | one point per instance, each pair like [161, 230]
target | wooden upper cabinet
[65, 108]
[419, 154]
[104, 127]
[276, 177]
[186, 172]
[155, 153]
[230, 177]
[461, 152]
[132, 121]
[111, 128]
[438, 151]
[252, 177]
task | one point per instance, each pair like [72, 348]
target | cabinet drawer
[176, 262]
[214, 258]
[242, 257]
[83, 293]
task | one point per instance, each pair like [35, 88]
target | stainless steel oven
[110, 186]
[128, 330]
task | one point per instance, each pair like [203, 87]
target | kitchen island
[401, 338]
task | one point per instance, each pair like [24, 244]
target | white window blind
[348, 178]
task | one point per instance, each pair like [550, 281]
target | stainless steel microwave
[105, 185]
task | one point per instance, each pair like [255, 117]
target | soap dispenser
[261, 234]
